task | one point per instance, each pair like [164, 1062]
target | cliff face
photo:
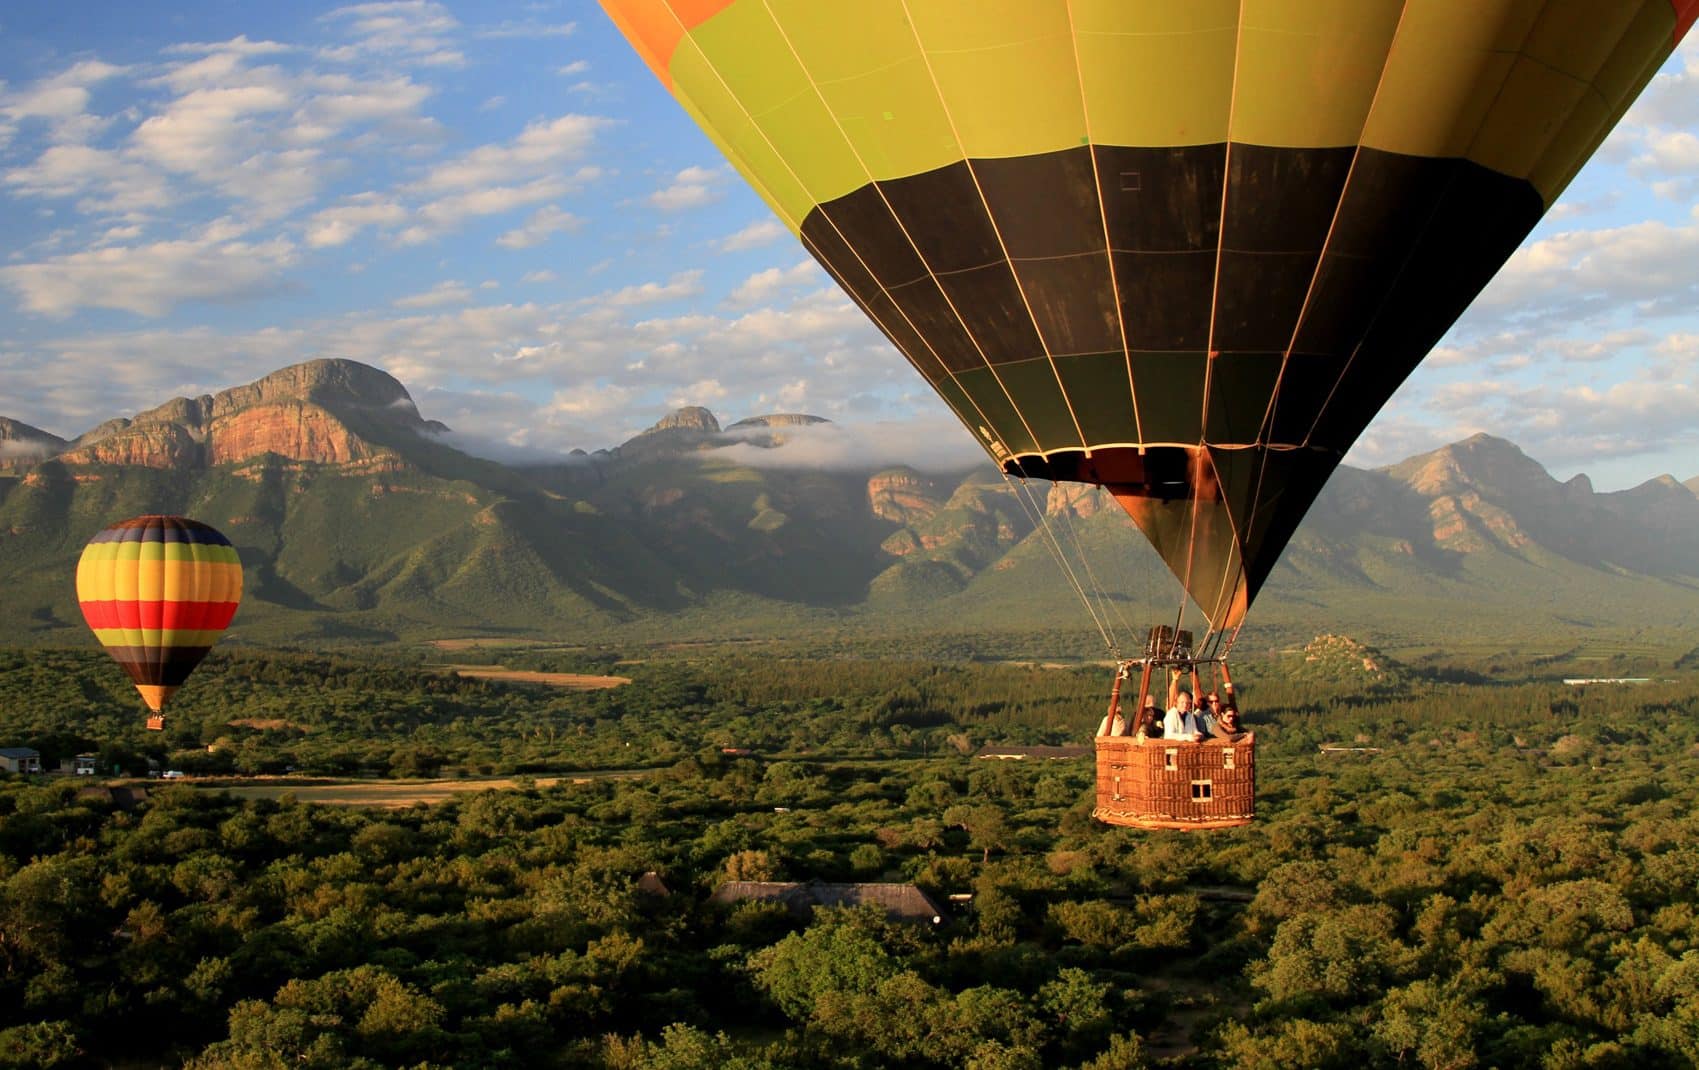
[302, 413]
[299, 430]
[158, 445]
[903, 496]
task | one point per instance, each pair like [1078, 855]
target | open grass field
[570, 681]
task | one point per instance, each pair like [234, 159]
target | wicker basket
[1166, 784]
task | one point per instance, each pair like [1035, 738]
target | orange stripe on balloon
[655, 27]
[170, 616]
[1685, 12]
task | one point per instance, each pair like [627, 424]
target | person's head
[1185, 700]
[1231, 709]
[1212, 700]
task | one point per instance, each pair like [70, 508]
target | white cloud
[544, 275]
[536, 230]
[339, 225]
[528, 29]
[683, 284]
[703, 392]
[106, 182]
[542, 146]
[416, 31]
[759, 233]
[692, 187]
[577, 66]
[763, 285]
[448, 292]
[1575, 275]
[934, 441]
[61, 100]
[150, 280]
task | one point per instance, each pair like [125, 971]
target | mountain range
[357, 518]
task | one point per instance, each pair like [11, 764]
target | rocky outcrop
[689, 418]
[302, 413]
[1081, 500]
[903, 496]
[158, 445]
[299, 430]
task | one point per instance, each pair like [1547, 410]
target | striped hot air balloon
[1182, 249]
[158, 592]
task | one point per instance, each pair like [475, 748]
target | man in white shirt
[1182, 721]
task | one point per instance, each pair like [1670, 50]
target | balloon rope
[1023, 494]
[1101, 589]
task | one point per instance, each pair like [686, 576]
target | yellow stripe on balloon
[100, 580]
[157, 637]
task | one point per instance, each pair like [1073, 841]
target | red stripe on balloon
[193, 616]
[1685, 12]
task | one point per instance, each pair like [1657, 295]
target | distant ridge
[358, 520]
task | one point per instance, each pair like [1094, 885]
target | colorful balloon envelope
[158, 592]
[1181, 249]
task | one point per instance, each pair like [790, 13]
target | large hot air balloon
[1180, 249]
[158, 592]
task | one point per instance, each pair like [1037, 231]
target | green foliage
[1470, 894]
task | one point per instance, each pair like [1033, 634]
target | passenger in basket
[1227, 724]
[1113, 724]
[1208, 710]
[1147, 725]
[1182, 720]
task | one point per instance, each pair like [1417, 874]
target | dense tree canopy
[1509, 880]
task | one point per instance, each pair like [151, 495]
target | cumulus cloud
[683, 284]
[1574, 275]
[931, 441]
[759, 233]
[340, 224]
[409, 31]
[61, 101]
[529, 29]
[537, 229]
[103, 181]
[763, 285]
[448, 292]
[692, 187]
[541, 147]
[150, 280]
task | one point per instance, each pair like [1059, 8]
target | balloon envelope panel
[1184, 249]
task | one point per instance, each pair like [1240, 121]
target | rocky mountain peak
[334, 384]
[1479, 462]
[321, 411]
[1692, 485]
[689, 418]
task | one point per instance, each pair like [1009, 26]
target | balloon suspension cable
[1035, 512]
[1104, 598]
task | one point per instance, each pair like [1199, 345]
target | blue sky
[499, 204]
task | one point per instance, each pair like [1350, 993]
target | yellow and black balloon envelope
[158, 592]
[1182, 249]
